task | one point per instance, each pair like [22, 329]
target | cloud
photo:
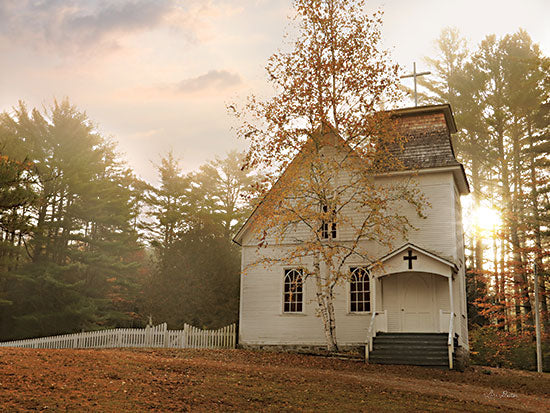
[120, 17]
[75, 26]
[213, 84]
[146, 134]
[218, 79]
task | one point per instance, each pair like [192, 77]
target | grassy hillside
[237, 380]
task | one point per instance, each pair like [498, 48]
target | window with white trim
[328, 228]
[293, 291]
[359, 289]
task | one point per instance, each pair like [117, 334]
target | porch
[414, 319]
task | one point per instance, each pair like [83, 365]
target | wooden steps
[419, 349]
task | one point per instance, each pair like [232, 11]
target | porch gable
[411, 258]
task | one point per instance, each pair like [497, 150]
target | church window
[359, 290]
[293, 291]
[328, 228]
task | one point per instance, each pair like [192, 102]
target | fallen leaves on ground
[239, 380]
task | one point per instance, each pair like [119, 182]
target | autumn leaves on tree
[500, 96]
[324, 130]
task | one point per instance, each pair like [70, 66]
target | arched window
[359, 290]
[293, 291]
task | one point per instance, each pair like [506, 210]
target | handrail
[450, 341]
[371, 325]
[368, 347]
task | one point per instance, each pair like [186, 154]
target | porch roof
[430, 262]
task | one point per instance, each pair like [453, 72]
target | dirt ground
[238, 380]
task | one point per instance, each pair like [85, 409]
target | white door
[409, 300]
[417, 301]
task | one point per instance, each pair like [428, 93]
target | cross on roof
[414, 75]
[410, 258]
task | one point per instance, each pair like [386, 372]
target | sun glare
[486, 219]
[483, 220]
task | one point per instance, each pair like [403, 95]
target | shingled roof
[428, 130]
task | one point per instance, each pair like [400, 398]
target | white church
[410, 309]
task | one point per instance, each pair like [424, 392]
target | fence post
[147, 340]
[166, 335]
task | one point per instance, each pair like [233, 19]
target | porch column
[451, 300]
[450, 342]
[372, 327]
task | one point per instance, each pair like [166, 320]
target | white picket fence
[157, 336]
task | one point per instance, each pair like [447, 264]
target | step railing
[450, 340]
[368, 346]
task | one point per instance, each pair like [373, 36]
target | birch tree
[323, 128]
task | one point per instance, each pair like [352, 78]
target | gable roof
[429, 146]
[325, 134]
[424, 251]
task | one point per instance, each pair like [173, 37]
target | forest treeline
[86, 245]
[500, 94]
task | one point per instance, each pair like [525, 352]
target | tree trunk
[519, 218]
[510, 220]
[478, 245]
[503, 284]
[39, 236]
[326, 308]
[537, 228]
[499, 293]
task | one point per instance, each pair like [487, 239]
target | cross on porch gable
[410, 258]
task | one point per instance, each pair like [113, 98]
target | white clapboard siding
[262, 320]
[156, 336]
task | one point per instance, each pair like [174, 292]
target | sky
[156, 75]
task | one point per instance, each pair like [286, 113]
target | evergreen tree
[167, 206]
[196, 274]
[81, 243]
[499, 93]
[455, 80]
[223, 189]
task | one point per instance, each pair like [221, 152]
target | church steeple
[428, 131]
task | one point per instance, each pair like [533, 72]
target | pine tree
[499, 94]
[222, 188]
[196, 274]
[80, 244]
